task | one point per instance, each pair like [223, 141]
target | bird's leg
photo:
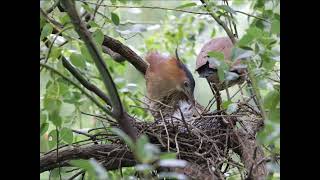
[216, 94]
[227, 91]
[241, 92]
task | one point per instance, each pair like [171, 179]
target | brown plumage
[209, 70]
[168, 81]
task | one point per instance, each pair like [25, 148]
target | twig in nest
[177, 144]
[253, 162]
[165, 126]
[216, 94]
[184, 121]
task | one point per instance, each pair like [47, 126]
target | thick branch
[80, 28]
[115, 56]
[102, 152]
[125, 52]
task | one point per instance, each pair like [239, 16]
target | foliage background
[143, 29]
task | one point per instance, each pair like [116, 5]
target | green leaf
[100, 171]
[64, 18]
[124, 136]
[93, 24]
[274, 115]
[168, 155]
[88, 8]
[221, 74]
[186, 5]
[66, 135]
[115, 18]
[85, 53]
[92, 167]
[55, 52]
[225, 104]
[81, 163]
[113, 1]
[44, 128]
[217, 55]
[255, 32]
[226, 8]
[275, 27]
[238, 53]
[55, 118]
[51, 104]
[46, 31]
[245, 40]
[98, 36]
[52, 137]
[271, 100]
[85, 165]
[140, 150]
[78, 60]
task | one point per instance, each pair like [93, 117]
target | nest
[207, 143]
[209, 140]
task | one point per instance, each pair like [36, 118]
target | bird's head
[168, 76]
[187, 83]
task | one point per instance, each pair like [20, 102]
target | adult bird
[170, 86]
[209, 69]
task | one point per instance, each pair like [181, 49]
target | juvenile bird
[170, 85]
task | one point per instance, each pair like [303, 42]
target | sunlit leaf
[78, 60]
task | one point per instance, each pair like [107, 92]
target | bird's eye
[186, 84]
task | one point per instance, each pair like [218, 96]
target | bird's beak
[191, 97]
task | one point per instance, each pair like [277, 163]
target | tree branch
[219, 21]
[84, 82]
[94, 100]
[56, 3]
[126, 53]
[102, 152]
[150, 7]
[117, 111]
